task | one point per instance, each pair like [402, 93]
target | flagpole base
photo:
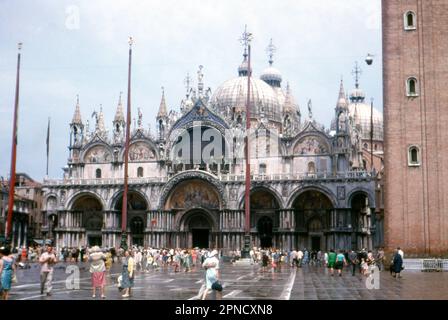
[124, 241]
[245, 253]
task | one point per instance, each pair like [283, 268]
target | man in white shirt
[47, 260]
[299, 258]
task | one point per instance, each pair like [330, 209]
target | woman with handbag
[98, 270]
[127, 274]
[7, 272]
[211, 264]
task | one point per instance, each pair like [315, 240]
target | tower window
[140, 172]
[414, 156]
[412, 87]
[98, 173]
[410, 22]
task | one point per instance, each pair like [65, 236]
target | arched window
[364, 164]
[262, 169]
[410, 21]
[414, 156]
[98, 173]
[412, 87]
[140, 172]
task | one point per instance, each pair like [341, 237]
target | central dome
[233, 94]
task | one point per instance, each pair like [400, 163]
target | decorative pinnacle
[271, 49]
[245, 39]
[19, 46]
[130, 41]
[77, 99]
[187, 83]
[357, 73]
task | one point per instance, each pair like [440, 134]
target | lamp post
[369, 61]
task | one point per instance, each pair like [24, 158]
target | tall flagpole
[12, 179]
[48, 144]
[371, 135]
[247, 37]
[124, 209]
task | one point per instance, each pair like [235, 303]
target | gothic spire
[289, 101]
[101, 127]
[342, 99]
[77, 115]
[119, 115]
[162, 108]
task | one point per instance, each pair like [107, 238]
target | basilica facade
[311, 187]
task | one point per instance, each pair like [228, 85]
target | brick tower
[415, 62]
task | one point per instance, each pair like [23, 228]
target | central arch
[196, 203]
[197, 225]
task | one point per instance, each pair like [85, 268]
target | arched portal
[312, 211]
[264, 206]
[197, 227]
[265, 229]
[92, 218]
[196, 204]
[136, 215]
[361, 221]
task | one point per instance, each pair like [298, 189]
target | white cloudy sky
[317, 42]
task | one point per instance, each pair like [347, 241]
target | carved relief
[310, 146]
[140, 151]
[97, 154]
[51, 203]
[233, 194]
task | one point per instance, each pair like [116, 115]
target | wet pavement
[240, 282]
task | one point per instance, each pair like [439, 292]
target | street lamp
[369, 59]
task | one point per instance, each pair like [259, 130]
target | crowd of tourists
[145, 260]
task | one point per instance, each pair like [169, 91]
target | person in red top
[24, 254]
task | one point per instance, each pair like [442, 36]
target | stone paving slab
[241, 282]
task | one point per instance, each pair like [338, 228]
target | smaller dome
[271, 74]
[243, 68]
[357, 95]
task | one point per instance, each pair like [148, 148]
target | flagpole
[48, 144]
[12, 179]
[371, 136]
[247, 37]
[126, 155]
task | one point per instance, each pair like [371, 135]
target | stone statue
[140, 117]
